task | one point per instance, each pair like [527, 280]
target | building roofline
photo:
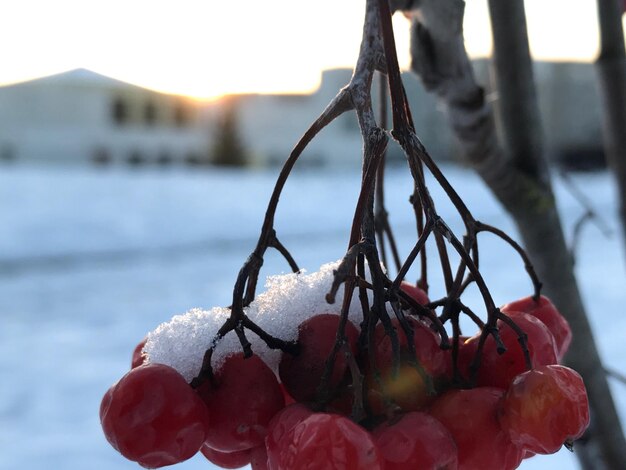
[83, 76]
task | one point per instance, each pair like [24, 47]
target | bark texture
[516, 172]
[611, 70]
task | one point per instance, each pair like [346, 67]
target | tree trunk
[518, 177]
[611, 69]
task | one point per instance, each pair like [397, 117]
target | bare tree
[611, 69]
[517, 173]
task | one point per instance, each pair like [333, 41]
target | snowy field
[90, 261]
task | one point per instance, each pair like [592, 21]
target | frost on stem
[361, 270]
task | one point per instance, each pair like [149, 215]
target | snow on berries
[422, 408]
[288, 301]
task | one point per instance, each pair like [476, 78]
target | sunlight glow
[205, 48]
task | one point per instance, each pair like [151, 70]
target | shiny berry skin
[343, 401]
[283, 422]
[409, 389]
[138, 356]
[327, 442]
[427, 351]
[471, 417]
[241, 400]
[226, 459]
[545, 311]
[416, 293]
[467, 352]
[406, 391]
[288, 398]
[153, 417]
[258, 458]
[498, 370]
[545, 407]
[301, 374]
[416, 441]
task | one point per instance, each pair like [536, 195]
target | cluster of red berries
[418, 416]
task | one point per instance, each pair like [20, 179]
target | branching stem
[361, 269]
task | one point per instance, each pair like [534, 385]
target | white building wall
[272, 125]
[569, 105]
[568, 99]
[70, 118]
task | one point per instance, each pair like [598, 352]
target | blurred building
[568, 96]
[271, 125]
[80, 116]
[570, 108]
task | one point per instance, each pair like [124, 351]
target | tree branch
[518, 174]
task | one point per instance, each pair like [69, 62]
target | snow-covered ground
[90, 261]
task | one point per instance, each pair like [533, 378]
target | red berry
[288, 398]
[301, 374]
[138, 357]
[545, 311]
[255, 457]
[528, 454]
[471, 418]
[416, 293]
[242, 400]
[416, 441]
[343, 400]
[409, 389]
[285, 420]
[226, 459]
[545, 407]
[258, 458]
[427, 351]
[153, 417]
[498, 370]
[326, 442]
[467, 352]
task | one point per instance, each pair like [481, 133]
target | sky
[206, 48]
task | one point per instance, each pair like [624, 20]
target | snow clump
[289, 299]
